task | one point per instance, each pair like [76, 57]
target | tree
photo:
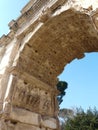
[83, 120]
[64, 114]
[61, 86]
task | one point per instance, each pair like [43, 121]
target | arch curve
[60, 40]
[36, 51]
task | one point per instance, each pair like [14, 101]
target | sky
[81, 75]
[82, 78]
[9, 9]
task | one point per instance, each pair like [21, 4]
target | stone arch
[60, 40]
[36, 57]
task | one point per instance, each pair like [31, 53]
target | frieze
[33, 98]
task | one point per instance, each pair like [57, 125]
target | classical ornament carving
[32, 98]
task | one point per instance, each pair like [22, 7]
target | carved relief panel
[33, 98]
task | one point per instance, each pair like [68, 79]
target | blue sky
[9, 9]
[82, 78]
[81, 75]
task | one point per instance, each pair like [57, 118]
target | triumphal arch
[47, 36]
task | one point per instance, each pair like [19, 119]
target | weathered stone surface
[49, 123]
[41, 42]
[61, 37]
[34, 96]
[95, 19]
[25, 116]
[3, 125]
[20, 126]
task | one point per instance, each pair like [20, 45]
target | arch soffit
[60, 40]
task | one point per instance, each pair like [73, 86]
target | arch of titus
[47, 36]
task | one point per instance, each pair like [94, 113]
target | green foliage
[83, 120]
[61, 86]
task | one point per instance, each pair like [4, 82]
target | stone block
[28, 6]
[49, 123]
[21, 126]
[11, 23]
[25, 116]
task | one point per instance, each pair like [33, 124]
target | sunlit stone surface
[47, 36]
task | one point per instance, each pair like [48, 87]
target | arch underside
[60, 40]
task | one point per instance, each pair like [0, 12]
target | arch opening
[81, 76]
